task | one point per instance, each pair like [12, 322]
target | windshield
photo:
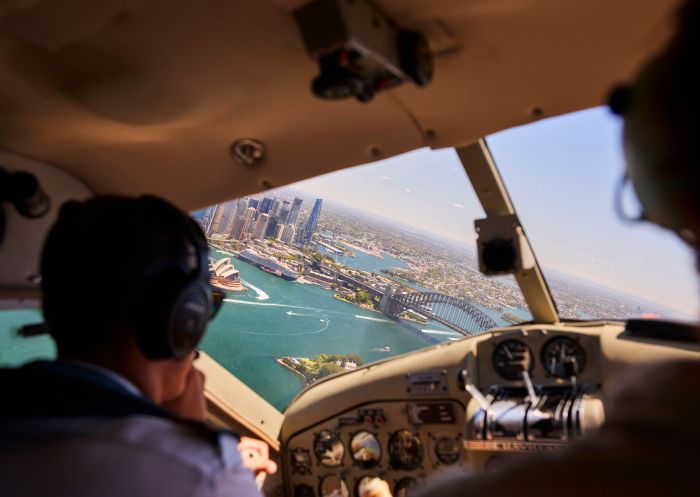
[596, 264]
[377, 260]
[348, 268]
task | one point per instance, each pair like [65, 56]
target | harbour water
[274, 318]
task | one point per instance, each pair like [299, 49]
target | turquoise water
[286, 318]
[275, 318]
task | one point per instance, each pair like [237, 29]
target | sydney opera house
[225, 276]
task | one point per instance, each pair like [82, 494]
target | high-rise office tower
[294, 213]
[260, 226]
[253, 202]
[271, 227]
[288, 233]
[229, 216]
[312, 223]
[265, 205]
[215, 226]
[241, 229]
[279, 231]
[284, 212]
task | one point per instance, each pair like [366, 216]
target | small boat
[386, 349]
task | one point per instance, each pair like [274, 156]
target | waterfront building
[294, 213]
[312, 223]
[224, 275]
[260, 226]
[279, 231]
[288, 234]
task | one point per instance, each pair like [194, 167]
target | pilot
[121, 411]
[648, 445]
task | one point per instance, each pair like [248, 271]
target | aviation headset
[174, 300]
[661, 111]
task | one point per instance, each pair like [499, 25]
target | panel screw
[248, 152]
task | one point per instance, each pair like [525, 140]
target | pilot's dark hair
[94, 263]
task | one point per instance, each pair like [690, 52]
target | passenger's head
[662, 130]
[125, 278]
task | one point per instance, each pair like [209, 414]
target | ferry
[267, 265]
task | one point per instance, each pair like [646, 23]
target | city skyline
[574, 231]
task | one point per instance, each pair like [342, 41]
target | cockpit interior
[204, 102]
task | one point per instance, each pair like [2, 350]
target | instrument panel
[473, 403]
[398, 441]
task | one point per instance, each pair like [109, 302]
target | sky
[561, 174]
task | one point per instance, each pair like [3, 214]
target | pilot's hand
[256, 456]
[376, 487]
[191, 404]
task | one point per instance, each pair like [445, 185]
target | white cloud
[455, 204]
[386, 178]
[407, 190]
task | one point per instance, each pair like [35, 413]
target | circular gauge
[328, 449]
[366, 485]
[402, 486]
[563, 357]
[303, 491]
[511, 358]
[301, 461]
[333, 486]
[405, 450]
[365, 449]
[447, 450]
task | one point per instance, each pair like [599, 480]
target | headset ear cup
[188, 318]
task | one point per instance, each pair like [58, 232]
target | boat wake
[315, 332]
[226, 253]
[368, 318]
[261, 294]
[268, 304]
[441, 332]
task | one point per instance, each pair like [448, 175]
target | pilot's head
[662, 130]
[126, 279]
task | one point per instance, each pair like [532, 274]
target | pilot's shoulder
[190, 444]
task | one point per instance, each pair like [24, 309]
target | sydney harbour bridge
[457, 314]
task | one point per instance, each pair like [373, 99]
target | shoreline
[303, 378]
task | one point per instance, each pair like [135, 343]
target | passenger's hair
[94, 262]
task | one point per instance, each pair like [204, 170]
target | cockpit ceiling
[147, 96]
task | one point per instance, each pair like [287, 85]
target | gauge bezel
[365, 464]
[458, 454]
[503, 343]
[398, 464]
[401, 485]
[334, 436]
[328, 475]
[562, 338]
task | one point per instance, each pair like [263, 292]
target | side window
[16, 350]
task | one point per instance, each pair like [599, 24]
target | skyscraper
[279, 231]
[229, 216]
[260, 226]
[294, 214]
[243, 223]
[215, 225]
[253, 202]
[284, 212]
[288, 234]
[312, 223]
[265, 205]
[271, 227]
